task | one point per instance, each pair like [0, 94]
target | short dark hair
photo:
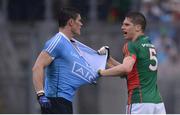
[137, 18]
[65, 14]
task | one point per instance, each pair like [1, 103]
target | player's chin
[78, 33]
[125, 36]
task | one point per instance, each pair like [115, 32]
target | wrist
[99, 72]
[40, 93]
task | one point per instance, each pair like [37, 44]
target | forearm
[120, 69]
[112, 62]
[114, 71]
[38, 79]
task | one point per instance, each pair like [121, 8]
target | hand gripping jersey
[73, 65]
[142, 80]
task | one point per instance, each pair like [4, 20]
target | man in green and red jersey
[140, 65]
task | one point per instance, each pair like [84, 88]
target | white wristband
[40, 91]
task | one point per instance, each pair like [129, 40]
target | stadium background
[26, 24]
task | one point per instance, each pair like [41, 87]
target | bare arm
[112, 62]
[120, 69]
[38, 70]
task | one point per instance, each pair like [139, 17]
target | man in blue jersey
[62, 66]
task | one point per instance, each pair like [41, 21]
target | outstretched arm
[119, 69]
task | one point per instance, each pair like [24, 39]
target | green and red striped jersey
[142, 80]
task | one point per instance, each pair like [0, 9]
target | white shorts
[146, 108]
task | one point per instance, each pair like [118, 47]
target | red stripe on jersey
[134, 57]
[133, 77]
[133, 82]
[125, 50]
[127, 53]
[129, 97]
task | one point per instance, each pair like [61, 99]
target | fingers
[47, 105]
[103, 50]
[107, 47]
[44, 101]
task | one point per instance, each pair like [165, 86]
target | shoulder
[51, 44]
[54, 40]
[131, 44]
[126, 47]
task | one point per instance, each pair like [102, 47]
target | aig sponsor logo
[83, 72]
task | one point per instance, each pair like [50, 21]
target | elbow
[36, 68]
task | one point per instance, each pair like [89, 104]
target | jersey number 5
[153, 57]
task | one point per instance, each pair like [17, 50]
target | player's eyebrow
[126, 24]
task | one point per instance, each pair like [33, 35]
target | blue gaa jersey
[68, 70]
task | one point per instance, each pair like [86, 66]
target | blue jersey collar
[64, 36]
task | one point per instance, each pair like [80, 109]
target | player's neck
[136, 36]
[66, 32]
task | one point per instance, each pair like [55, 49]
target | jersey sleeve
[129, 50]
[52, 47]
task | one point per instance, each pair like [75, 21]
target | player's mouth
[124, 33]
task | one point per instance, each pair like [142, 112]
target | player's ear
[70, 22]
[138, 27]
